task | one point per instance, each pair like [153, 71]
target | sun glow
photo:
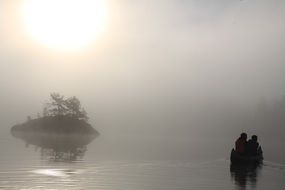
[66, 25]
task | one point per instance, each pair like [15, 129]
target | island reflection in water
[245, 175]
[55, 147]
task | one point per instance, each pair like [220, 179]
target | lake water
[134, 163]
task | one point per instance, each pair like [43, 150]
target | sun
[65, 25]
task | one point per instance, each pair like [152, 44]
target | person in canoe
[240, 144]
[252, 147]
[246, 152]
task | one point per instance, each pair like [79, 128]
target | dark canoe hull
[238, 159]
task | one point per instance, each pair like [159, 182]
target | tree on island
[61, 106]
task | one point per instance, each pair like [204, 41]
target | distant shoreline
[57, 125]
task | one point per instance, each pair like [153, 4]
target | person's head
[254, 138]
[243, 136]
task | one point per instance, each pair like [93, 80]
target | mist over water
[170, 86]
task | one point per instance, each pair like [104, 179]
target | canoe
[236, 158]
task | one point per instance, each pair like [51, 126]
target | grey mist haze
[169, 68]
[168, 84]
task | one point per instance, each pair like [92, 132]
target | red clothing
[240, 145]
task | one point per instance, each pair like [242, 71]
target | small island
[61, 116]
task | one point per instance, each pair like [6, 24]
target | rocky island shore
[61, 116]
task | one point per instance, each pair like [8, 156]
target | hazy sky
[156, 62]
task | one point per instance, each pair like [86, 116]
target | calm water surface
[129, 163]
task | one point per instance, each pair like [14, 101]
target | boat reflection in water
[245, 175]
[55, 147]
